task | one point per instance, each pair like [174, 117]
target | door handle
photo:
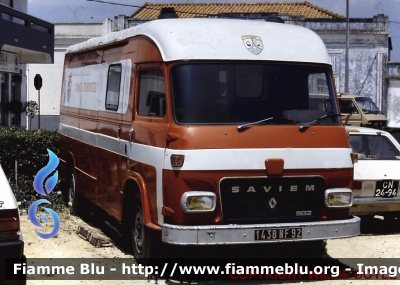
[131, 135]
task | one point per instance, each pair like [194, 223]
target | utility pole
[346, 72]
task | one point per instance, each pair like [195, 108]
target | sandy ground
[378, 240]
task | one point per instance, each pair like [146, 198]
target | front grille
[252, 200]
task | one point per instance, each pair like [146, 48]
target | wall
[66, 34]
[368, 51]
[393, 97]
[368, 54]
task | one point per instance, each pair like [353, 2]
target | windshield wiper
[304, 126]
[269, 120]
[253, 123]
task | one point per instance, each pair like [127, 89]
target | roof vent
[167, 13]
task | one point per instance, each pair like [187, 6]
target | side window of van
[347, 106]
[151, 93]
[113, 87]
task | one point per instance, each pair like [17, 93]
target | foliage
[29, 149]
[31, 108]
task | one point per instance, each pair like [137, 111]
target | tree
[32, 109]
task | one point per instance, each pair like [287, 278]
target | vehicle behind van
[11, 240]
[376, 173]
[201, 132]
[361, 111]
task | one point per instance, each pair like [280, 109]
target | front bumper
[245, 234]
[375, 206]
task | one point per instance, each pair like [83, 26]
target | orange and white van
[201, 130]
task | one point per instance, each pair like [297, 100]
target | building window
[4, 95]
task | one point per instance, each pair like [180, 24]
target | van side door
[113, 108]
[150, 126]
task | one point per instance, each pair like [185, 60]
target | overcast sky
[57, 11]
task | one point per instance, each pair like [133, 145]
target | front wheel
[144, 241]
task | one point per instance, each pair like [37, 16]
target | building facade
[369, 44]
[369, 53]
[66, 34]
[23, 39]
[393, 96]
[11, 79]
[369, 39]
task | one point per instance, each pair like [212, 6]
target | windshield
[240, 93]
[367, 105]
[374, 147]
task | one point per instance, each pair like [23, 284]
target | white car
[376, 173]
[11, 240]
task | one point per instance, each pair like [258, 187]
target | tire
[72, 199]
[144, 241]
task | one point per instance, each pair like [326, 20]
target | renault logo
[272, 203]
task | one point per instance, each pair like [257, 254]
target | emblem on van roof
[253, 44]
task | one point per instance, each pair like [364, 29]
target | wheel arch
[133, 186]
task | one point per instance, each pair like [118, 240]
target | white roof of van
[222, 39]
